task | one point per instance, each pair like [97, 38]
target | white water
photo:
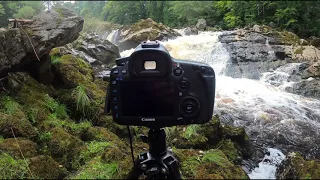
[268, 114]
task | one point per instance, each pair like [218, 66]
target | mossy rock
[103, 134]
[44, 167]
[96, 169]
[230, 150]
[12, 168]
[31, 95]
[211, 164]
[64, 147]
[13, 147]
[114, 153]
[240, 139]
[108, 123]
[17, 123]
[295, 167]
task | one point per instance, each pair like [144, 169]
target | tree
[26, 12]
[2, 12]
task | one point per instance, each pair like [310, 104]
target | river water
[274, 120]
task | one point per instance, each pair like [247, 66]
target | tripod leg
[135, 172]
[174, 172]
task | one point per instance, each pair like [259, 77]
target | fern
[10, 106]
[55, 60]
[83, 100]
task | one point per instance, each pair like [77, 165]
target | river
[276, 121]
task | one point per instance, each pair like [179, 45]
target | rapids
[272, 117]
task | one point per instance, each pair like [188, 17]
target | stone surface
[48, 30]
[144, 30]
[201, 24]
[190, 31]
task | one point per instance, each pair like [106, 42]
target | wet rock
[48, 30]
[201, 24]
[263, 50]
[144, 30]
[315, 41]
[190, 31]
[14, 147]
[256, 28]
[307, 88]
[45, 167]
[95, 50]
[295, 167]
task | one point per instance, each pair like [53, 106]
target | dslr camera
[150, 88]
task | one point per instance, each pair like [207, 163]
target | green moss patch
[13, 146]
[45, 167]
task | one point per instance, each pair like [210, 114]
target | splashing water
[270, 116]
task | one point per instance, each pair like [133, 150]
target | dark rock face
[48, 30]
[261, 49]
[95, 50]
[251, 54]
[144, 30]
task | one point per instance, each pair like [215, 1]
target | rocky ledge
[253, 52]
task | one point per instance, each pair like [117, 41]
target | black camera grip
[107, 107]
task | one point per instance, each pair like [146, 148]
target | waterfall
[272, 117]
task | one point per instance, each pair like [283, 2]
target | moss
[295, 167]
[113, 153]
[299, 50]
[287, 37]
[12, 168]
[17, 123]
[64, 147]
[229, 149]
[108, 123]
[13, 146]
[96, 169]
[94, 148]
[44, 167]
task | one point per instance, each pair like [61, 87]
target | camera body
[150, 88]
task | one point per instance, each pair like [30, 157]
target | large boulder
[95, 50]
[22, 48]
[201, 24]
[144, 30]
[295, 167]
[190, 31]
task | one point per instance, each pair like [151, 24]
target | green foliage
[83, 100]
[11, 168]
[60, 110]
[32, 115]
[191, 131]
[97, 169]
[217, 157]
[93, 148]
[45, 137]
[9, 105]
[26, 12]
[1, 139]
[2, 12]
[55, 60]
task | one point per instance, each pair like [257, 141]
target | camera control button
[114, 82]
[116, 107]
[177, 71]
[114, 91]
[115, 99]
[116, 71]
[184, 84]
[203, 69]
[124, 71]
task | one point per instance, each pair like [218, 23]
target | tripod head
[159, 162]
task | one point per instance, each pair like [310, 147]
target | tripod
[159, 162]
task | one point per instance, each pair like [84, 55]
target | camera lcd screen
[153, 99]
